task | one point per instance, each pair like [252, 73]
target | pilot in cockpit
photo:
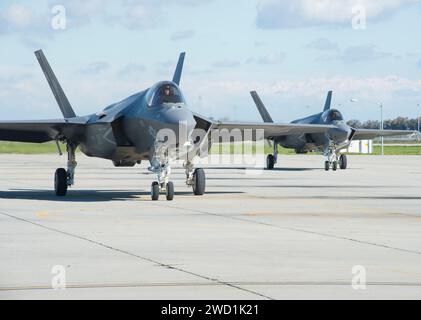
[167, 91]
[167, 95]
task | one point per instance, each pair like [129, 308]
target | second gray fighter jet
[330, 142]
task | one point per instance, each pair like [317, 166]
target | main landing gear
[63, 179]
[272, 159]
[334, 161]
[343, 162]
[195, 178]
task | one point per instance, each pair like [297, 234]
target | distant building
[360, 146]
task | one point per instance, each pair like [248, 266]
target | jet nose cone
[175, 115]
[180, 121]
[340, 133]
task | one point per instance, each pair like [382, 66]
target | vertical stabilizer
[328, 101]
[55, 86]
[261, 107]
[179, 70]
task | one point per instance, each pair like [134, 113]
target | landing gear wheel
[343, 162]
[155, 191]
[327, 165]
[270, 162]
[170, 191]
[60, 182]
[199, 182]
[335, 166]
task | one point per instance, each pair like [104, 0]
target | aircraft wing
[38, 131]
[272, 130]
[367, 134]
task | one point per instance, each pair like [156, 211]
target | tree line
[400, 123]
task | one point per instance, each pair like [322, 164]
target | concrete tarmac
[297, 232]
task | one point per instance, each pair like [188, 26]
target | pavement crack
[323, 234]
[164, 265]
[208, 284]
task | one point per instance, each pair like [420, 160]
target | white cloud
[132, 70]
[182, 35]
[19, 19]
[269, 59]
[357, 54]
[131, 14]
[226, 64]
[80, 12]
[138, 16]
[17, 16]
[304, 13]
[95, 68]
[22, 91]
[323, 44]
[311, 87]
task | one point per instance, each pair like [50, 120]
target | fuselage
[131, 129]
[310, 142]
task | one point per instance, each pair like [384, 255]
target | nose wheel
[156, 190]
[333, 165]
[333, 159]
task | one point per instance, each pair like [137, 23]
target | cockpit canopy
[334, 115]
[164, 93]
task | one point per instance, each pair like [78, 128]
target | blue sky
[291, 52]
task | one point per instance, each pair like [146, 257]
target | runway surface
[293, 233]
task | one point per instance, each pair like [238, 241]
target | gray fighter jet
[331, 142]
[129, 131]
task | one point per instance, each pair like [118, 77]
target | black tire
[60, 182]
[170, 191]
[155, 191]
[327, 165]
[199, 185]
[343, 162]
[335, 166]
[270, 162]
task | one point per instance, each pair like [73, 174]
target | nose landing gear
[333, 160]
[156, 189]
[163, 172]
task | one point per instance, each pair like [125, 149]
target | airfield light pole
[419, 132]
[381, 117]
[382, 126]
